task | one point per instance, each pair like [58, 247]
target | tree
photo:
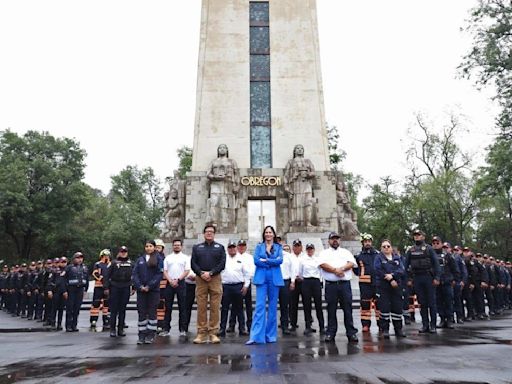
[490, 58]
[136, 207]
[336, 154]
[494, 193]
[185, 160]
[41, 189]
[440, 184]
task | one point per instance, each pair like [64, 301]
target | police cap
[123, 248]
[231, 243]
[334, 235]
[78, 254]
[297, 242]
[310, 246]
[242, 242]
[418, 232]
[437, 239]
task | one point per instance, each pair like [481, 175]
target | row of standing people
[451, 285]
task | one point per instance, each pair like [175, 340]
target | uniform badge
[423, 248]
[217, 246]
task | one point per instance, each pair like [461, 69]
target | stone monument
[259, 93]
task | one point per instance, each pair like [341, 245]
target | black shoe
[385, 334]
[222, 333]
[424, 330]
[69, 330]
[308, 331]
[400, 333]
[407, 320]
[460, 321]
[442, 324]
[329, 339]
[353, 338]
[230, 329]
[113, 333]
[149, 339]
[432, 330]
[121, 332]
[449, 325]
[142, 336]
[75, 329]
[286, 332]
[243, 333]
[59, 328]
[468, 320]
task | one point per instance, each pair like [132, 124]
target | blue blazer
[274, 260]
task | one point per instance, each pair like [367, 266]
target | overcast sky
[120, 77]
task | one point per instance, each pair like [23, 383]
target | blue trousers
[426, 294]
[444, 296]
[75, 298]
[264, 324]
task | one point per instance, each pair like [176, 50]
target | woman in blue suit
[268, 257]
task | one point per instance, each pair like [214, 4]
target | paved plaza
[478, 352]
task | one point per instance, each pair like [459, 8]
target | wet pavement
[477, 352]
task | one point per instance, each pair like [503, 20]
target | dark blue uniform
[390, 297]
[424, 268]
[77, 283]
[450, 273]
[58, 286]
[458, 305]
[118, 281]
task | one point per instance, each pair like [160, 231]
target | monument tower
[260, 153]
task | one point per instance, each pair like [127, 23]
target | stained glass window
[260, 67]
[258, 12]
[260, 40]
[260, 147]
[260, 102]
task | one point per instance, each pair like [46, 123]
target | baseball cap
[418, 232]
[297, 242]
[436, 238]
[310, 245]
[123, 248]
[231, 243]
[333, 235]
[242, 242]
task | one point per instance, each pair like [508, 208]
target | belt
[232, 283]
[310, 278]
[337, 282]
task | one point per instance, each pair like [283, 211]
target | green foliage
[41, 190]
[185, 160]
[490, 58]
[136, 208]
[494, 193]
[336, 154]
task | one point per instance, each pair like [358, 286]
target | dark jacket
[383, 266]
[449, 268]
[144, 275]
[462, 268]
[422, 260]
[119, 274]
[365, 269]
[209, 257]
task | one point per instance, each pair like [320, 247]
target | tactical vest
[77, 276]
[420, 259]
[121, 271]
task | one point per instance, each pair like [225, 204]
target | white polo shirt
[235, 271]
[309, 266]
[336, 258]
[289, 268]
[248, 261]
[175, 264]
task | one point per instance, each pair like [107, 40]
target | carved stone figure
[298, 183]
[223, 176]
[347, 217]
[174, 209]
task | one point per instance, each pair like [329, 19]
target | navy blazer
[274, 261]
[143, 274]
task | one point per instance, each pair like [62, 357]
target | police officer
[458, 305]
[32, 290]
[4, 275]
[389, 271]
[425, 271]
[21, 291]
[47, 300]
[11, 291]
[481, 283]
[492, 288]
[337, 264]
[57, 284]
[100, 298]
[235, 283]
[309, 272]
[365, 262]
[77, 283]
[118, 285]
[450, 273]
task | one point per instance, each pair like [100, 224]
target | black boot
[113, 332]
[398, 329]
[120, 331]
[142, 337]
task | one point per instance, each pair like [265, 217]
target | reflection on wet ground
[452, 356]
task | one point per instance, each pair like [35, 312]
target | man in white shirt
[176, 269]
[236, 279]
[337, 264]
[289, 272]
[248, 261]
[309, 272]
[297, 253]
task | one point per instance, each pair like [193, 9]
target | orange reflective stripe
[365, 279]
[94, 311]
[163, 284]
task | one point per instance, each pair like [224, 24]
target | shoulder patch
[217, 246]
